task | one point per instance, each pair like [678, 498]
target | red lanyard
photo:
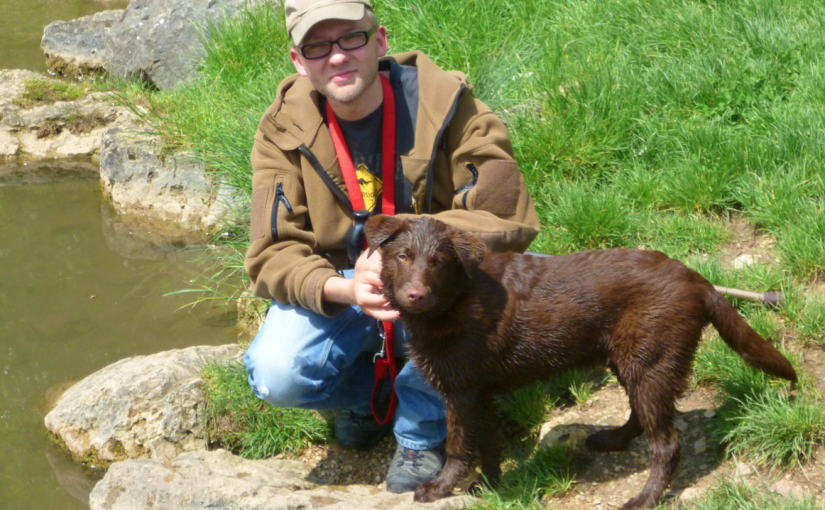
[384, 360]
[387, 155]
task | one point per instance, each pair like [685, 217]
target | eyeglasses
[351, 41]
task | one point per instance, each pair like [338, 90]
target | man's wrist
[338, 290]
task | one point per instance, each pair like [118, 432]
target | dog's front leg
[460, 419]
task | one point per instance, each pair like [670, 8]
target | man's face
[343, 75]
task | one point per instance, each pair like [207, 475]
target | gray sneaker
[409, 468]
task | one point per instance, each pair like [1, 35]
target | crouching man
[355, 130]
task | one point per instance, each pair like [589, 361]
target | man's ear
[469, 248]
[296, 61]
[379, 229]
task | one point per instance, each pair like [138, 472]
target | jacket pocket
[257, 227]
[280, 201]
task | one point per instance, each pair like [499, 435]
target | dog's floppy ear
[469, 248]
[379, 229]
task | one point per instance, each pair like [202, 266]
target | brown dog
[484, 323]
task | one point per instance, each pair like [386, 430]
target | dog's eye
[402, 256]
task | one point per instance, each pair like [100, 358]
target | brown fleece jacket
[461, 169]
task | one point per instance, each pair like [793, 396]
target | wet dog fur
[484, 323]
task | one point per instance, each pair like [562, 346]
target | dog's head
[424, 260]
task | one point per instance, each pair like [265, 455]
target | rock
[710, 413]
[140, 179]
[155, 40]
[789, 489]
[48, 170]
[700, 446]
[740, 472]
[58, 129]
[743, 261]
[681, 425]
[569, 436]
[198, 480]
[9, 143]
[146, 406]
[691, 494]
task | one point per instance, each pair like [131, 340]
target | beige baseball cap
[301, 15]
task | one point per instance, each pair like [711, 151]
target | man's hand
[363, 289]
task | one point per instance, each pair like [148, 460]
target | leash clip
[383, 335]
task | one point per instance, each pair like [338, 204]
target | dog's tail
[755, 350]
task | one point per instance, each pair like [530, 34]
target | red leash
[385, 359]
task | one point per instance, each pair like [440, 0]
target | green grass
[772, 430]
[633, 126]
[731, 496]
[546, 473]
[41, 91]
[238, 421]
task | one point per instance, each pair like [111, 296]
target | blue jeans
[302, 359]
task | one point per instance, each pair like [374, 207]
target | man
[322, 146]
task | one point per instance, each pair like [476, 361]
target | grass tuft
[41, 91]
[547, 473]
[730, 496]
[775, 431]
[240, 422]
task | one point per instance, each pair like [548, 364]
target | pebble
[691, 493]
[741, 471]
[710, 413]
[700, 446]
[788, 489]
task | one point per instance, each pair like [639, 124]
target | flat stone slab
[218, 479]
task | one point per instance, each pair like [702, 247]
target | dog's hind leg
[462, 418]
[653, 403]
[618, 439]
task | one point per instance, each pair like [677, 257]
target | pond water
[80, 288]
[22, 23]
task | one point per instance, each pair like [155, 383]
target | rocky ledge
[145, 416]
[56, 129]
[135, 173]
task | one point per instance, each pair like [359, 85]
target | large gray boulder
[146, 406]
[153, 39]
[199, 480]
[139, 178]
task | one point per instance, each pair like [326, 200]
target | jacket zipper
[279, 198]
[428, 198]
[467, 187]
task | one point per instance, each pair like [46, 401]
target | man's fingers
[372, 279]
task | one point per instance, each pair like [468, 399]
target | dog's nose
[416, 294]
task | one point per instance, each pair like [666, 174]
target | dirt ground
[605, 481]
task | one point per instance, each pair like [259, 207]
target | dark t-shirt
[363, 139]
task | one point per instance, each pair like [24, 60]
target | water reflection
[80, 288]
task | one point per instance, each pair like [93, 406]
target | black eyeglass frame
[367, 33]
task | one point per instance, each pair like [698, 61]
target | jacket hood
[294, 121]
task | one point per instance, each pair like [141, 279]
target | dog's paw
[429, 492]
[642, 501]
